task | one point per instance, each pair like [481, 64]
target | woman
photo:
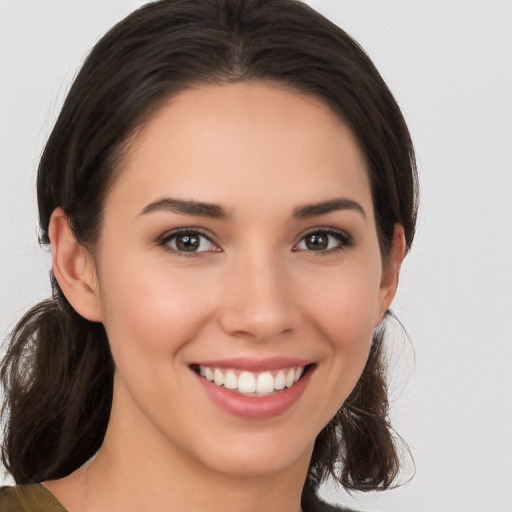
[228, 192]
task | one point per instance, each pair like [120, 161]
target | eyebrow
[184, 207]
[215, 211]
[325, 207]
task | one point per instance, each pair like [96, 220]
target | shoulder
[28, 498]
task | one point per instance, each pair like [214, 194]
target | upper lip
[255, 365]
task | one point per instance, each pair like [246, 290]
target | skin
[255, 291]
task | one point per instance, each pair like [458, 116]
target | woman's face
[239, 245]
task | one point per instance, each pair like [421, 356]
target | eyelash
[344, 241]
[168, 237]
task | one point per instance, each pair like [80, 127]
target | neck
[138, 469]
[110, 488]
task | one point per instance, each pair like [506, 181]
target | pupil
[317, 242]
[187, 243]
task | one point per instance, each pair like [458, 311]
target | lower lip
[257, 408]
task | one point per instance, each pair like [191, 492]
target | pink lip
[256, 365]
[256, 408]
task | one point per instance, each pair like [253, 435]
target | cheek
[343, 315]
[155, 310]
[344, 304]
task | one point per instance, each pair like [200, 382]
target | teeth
[253, 384]
[246, 383]
[231, 380]
[280, 380]
[290, 377]
[265, 383]
[218, 377]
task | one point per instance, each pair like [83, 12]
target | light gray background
[449, 64]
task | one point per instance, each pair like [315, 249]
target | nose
[258, 302]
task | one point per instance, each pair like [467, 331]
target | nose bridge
[258, 299]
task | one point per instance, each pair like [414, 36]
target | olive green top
[29, 498]
[37, 498]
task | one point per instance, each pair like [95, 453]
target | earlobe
[391, 271]
[74, 268]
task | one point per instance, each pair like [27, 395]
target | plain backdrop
[449, 64]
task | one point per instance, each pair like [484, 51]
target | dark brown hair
[58, 371]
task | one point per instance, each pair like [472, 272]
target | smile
[254, 384]
[255, 389]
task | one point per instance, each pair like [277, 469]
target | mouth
[254, 389]
[252, 384]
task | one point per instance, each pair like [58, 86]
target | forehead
[249, 142]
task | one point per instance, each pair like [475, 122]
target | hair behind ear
[57, 378]
[360, 436]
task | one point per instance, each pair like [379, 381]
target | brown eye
[324, 241]
[189, 241]
[317, 242]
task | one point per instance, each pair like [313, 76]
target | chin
[259, 454]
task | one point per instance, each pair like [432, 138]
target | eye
[188, 241]
[324, 240]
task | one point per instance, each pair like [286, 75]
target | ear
[74, 268]
[391, 271]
